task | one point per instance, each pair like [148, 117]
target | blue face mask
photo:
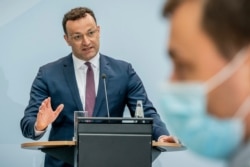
[185, 113]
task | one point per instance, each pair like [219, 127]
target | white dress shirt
[80, 72]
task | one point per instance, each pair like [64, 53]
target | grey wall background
[31, 35]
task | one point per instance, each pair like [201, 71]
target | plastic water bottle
[139, 112]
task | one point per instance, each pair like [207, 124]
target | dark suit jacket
[57, 80]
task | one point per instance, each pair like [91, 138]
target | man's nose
[85, 40]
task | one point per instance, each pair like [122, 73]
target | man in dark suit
[61, 87]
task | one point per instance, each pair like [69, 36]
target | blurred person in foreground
[206, 102]
[61, 87]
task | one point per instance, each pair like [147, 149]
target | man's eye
[91, 33]
[77, 37]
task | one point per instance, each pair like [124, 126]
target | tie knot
[88, 64]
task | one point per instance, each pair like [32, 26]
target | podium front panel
[114, 145]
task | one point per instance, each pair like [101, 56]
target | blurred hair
[75, 14]
[225, 21]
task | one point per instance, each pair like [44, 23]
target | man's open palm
[46, 115]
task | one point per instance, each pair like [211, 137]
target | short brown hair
[225, 21]
[75, 14]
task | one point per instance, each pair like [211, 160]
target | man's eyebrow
[75, 33]
[92, 28]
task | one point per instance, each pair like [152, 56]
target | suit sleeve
[37, 94]
[136, 91]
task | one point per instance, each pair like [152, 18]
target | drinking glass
[76, 115]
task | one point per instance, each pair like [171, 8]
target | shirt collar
[79, 63]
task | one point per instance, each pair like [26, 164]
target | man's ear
[248, 56]
[99, 30]
[67, 39]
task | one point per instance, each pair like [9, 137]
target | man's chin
[87, 57]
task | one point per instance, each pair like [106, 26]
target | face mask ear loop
[225, 73]
[244, 109]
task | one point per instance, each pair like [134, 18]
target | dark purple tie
[90, 90]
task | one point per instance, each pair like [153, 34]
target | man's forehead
[188, 16]
[185, 26]
[83, 24]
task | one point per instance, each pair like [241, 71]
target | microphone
[105, 90]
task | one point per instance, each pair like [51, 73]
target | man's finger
[42, 107]
[59, 109]
[172, 139]
[48, 102]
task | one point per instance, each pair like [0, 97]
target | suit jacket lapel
[69, 74]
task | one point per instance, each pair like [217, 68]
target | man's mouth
[87, 49]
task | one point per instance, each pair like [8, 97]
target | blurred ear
[247, 64]
[99, 31]
[248, 55]
[67, 39]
